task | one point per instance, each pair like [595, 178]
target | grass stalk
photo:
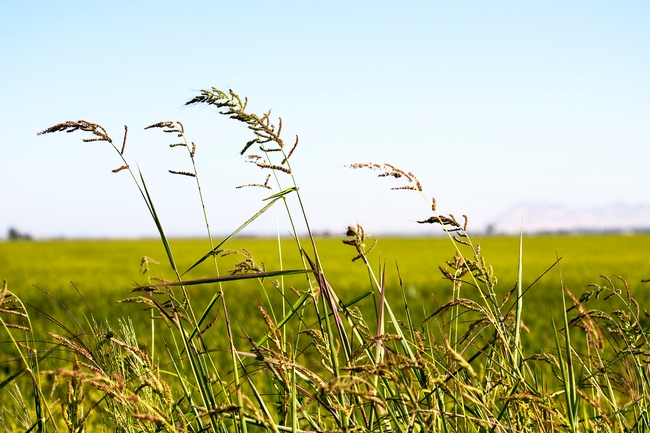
[520, 302]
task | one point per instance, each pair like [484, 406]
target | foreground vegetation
[333, 345]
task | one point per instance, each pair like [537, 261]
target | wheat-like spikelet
[73, 346]
[83, 125]
[389, 170]
[126, 131]
[261, 185]
[183, 173]
[169, 127]
[148, 417]
[358, 241]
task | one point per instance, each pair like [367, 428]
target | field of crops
[105, 271]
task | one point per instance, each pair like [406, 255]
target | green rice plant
[315, 360]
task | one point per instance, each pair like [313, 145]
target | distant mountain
[545, 217]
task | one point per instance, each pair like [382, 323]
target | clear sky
[490, 104]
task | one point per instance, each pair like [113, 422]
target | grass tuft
[306, 358]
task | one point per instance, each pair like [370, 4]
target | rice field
[105, 271]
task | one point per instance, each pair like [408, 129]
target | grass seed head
[389, 170]
[83, 125]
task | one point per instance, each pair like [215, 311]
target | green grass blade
[285, 319]
[206, 311]
[568, 374]
[11, 378]
[357, 299]
[379, 349]
[281, 194]
[520, 303]
[235, 361]
[273, 199]
[234, 277]
[332, 301]
[156, 220]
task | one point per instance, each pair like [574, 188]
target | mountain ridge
[554, 218]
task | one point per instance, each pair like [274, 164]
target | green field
[105, 271]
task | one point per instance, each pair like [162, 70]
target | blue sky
[490, 104]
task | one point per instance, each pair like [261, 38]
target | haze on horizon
[491, 105]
